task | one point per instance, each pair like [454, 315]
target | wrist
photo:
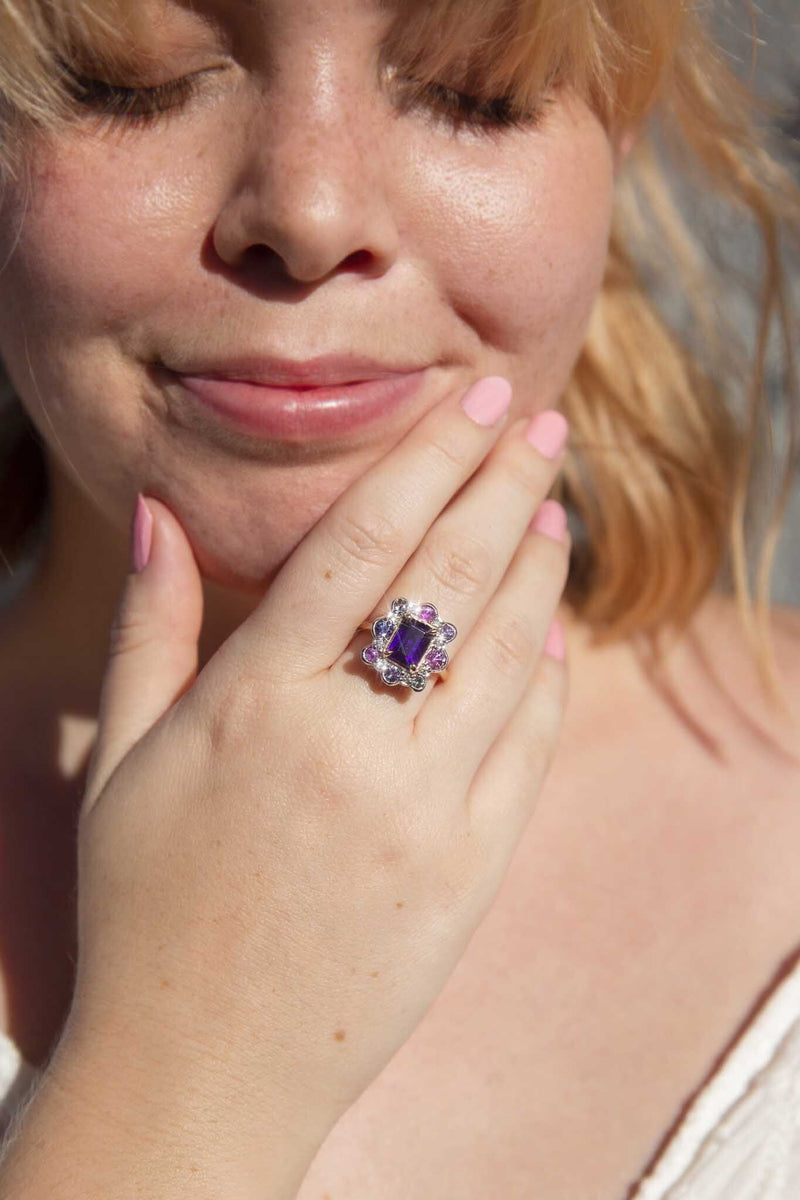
[125, 1119]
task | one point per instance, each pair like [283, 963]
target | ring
[408, 644]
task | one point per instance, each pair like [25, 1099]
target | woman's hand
[282, 859]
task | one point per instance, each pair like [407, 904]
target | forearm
[101, 1126]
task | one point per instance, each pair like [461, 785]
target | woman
[474, 901]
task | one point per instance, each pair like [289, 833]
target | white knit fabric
[740, 1137]
[738, 1140]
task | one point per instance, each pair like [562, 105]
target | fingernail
[554, 646]
[548, 432]
[487, 400]
[550, 519]
[141, 535]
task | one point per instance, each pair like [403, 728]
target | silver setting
[384, 629]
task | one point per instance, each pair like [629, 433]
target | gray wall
[777, 77]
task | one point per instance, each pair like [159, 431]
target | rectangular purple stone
[410, 642]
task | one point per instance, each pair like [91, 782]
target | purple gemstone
[427, 613]
[410, 642]
[391, 675]
[437, 659]
[371, 654]
[383, 627]
[448, 632]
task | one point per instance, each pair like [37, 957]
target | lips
[324, 371]
[304, 412]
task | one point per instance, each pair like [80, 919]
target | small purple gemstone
[448, 632]
[437, 659]
[410, 642]
[383, 627]
[427, 613]
[391, 675]
[371, 654]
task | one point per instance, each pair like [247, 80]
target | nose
[310, 190]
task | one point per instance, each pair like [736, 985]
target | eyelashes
[495, 114]
[145, 105]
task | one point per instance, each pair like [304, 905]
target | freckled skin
[294, 210]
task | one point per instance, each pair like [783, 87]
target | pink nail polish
[548, 432]
[141, 535]
[487, 400]
[554, 646]
[551, 520]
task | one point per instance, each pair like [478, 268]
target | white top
[739, 1138]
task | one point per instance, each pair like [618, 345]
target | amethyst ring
[408, 644]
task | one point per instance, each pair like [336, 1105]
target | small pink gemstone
[437, 659]
[427, 613]
[370, 654]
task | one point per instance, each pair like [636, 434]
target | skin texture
[268, 216]
[289, 208]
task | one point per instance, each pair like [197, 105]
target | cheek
[97, 237]
[526, 249]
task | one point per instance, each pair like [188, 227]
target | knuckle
[370, 538]
[556, 553]
[543, 732]
[459, 563]
[130, 631]
[511, 643]
[448, 451]
[525, 472]
[237, 709]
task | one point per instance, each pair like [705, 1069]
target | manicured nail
[141, 535]
[548, 432]
[550, 519]
[487, 400]
[554, 646]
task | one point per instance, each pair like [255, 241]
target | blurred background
[772, 67]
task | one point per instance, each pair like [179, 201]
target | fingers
[338, 573]
[153, 652]
[490, 674]
[466, 552]
[509, 781]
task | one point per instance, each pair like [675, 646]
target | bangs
[613, 53]
[39, 37]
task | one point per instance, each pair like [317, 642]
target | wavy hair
[672, 437]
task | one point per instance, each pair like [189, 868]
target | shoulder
[721, 639]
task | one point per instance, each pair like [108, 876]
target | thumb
[153, 650]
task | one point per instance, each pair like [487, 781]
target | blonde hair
[662, 468]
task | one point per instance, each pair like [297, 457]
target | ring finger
[465, 554]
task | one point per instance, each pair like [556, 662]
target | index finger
[341, 569]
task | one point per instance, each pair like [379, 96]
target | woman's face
[288, 209]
